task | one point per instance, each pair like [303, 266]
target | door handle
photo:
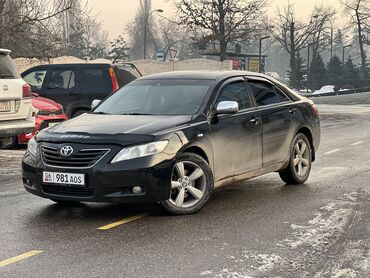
[254, 121]
[292, 110]
[72, 94]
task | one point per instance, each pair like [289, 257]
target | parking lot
[258, 228]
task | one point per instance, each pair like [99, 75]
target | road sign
[254, 64]
[160, 55]
[173, 53]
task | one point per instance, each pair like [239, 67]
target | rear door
[236, 138]
[278, 120]
[11, 91]
[62, 86]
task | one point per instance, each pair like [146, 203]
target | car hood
[42, 103]
[122, 129]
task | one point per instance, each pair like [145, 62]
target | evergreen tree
[351, 73]
[335, 71]
[317, 73]
[300, 74]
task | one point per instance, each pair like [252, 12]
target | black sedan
[172, 138]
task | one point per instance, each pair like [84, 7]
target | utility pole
[344, 49]
[260, 53]
[146, 27]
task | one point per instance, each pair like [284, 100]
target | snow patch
[344, 273]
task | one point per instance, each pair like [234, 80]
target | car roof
[80, 64]
[5, 51]
[203, 74]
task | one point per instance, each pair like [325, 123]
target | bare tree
[359, 12]
[25, 25]
[294, 34]
[223, 21]
[136, 30]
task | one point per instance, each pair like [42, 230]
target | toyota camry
[172, 138]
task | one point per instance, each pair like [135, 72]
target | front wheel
[191, 185]
[300, 161]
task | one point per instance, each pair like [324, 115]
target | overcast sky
[115, 14]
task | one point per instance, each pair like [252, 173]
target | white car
[325, 90]
[16, 112]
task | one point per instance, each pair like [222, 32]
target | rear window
[96, 80]
[126, 74]
[8, 69]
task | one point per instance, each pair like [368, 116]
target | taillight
[315, 110]
[26, 91]
[113, 77]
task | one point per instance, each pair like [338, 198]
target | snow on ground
[301, 251]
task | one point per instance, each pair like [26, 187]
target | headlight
[140, 151]
[32, 147]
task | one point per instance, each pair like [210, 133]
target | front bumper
[41, 123]
[105, 182]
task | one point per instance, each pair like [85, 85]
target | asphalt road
[258, 228]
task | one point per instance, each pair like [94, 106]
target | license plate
[5, 106]
[64, 178]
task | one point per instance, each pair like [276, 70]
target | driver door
[236, 138]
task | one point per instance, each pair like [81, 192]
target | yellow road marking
[20, 257]
[124, 221]
[332, 151]
[357, 143]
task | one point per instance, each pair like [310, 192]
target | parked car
[328, 89]
[75, 86]
[48, 113]
[15, 101]
[171, 138]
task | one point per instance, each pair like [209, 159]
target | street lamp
[260, 52]
[146, 27]
[344, 49]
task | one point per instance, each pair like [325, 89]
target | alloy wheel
[301, 158]
[188, 184]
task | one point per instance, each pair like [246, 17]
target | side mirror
[227, 107]
[95, 103]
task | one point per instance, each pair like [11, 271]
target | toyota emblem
[5, 87]
[66, 151]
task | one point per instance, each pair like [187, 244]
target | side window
[35, 79]
[96, 80]
[235, 91]
[265, 93]
[62, 79]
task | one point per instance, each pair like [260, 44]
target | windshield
[157, 97]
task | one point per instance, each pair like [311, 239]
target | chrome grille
[85, 158]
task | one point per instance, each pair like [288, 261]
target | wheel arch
[308, 133]
[197, 150]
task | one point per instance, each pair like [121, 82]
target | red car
[48, 113]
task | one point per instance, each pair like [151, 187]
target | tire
[12, 144]
[191, 189]
[66, 203]
[79, 113]
[300, 164]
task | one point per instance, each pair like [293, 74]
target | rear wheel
[300, 161]
[9, 143]
[192, 185]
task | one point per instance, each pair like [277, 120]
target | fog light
[137, 189]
